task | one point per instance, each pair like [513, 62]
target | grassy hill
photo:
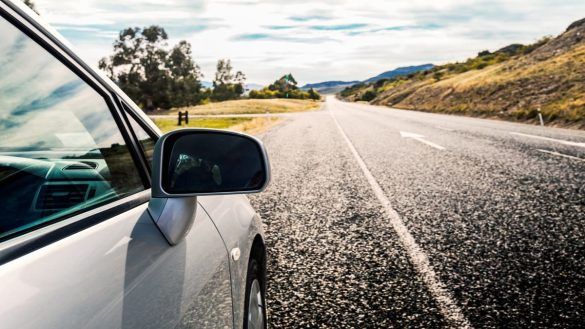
[510, 83]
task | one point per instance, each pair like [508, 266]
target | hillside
[510, 83]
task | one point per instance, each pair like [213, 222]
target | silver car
[104, 223]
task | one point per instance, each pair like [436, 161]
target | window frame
[130, 114]
[12, 247]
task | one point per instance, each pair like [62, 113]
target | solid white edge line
[418, 258]
[561, 155]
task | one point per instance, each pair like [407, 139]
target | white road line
[550, 139]
[561, 155]
[417, 256]
[420, 138]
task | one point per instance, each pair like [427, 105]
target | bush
[369, 96]
[314, 95]
[380, 83]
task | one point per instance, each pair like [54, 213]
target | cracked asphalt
[498, 208]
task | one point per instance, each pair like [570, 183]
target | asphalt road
[387, 218]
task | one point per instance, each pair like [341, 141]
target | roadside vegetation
[250, 125]
[510, 83]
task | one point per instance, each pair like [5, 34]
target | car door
[78, 248]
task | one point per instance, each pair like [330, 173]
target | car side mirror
[193, 162]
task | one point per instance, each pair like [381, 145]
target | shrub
[369, 96]
[314, 95]
[380, 83]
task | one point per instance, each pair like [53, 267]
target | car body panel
[121, 274]
[102, 270]
[233, 215]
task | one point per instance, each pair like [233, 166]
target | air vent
[81, 165]
[55, 197]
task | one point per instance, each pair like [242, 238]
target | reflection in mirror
[211, 162]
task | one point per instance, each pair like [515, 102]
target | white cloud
[316, 40]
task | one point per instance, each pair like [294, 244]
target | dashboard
[34, 188]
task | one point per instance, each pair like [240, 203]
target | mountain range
[332, 87]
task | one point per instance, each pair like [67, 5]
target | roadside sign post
[180, 119]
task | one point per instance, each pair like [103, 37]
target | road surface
[378, 217]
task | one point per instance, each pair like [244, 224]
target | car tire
[255, 303]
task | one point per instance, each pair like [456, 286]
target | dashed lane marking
[420, 138]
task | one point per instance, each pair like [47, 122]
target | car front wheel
[255, 310]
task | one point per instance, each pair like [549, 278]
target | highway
[379, 218]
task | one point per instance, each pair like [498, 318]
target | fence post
[187, 117]
[540, 117]
[180, 118]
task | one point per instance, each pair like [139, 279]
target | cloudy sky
[316, 40]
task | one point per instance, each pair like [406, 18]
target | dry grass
[249, 106]
[249, 125]
[256, 125]
[511, 70]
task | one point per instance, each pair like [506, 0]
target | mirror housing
[194, 162]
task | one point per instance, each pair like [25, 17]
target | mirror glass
[211, 162]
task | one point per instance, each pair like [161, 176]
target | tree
[314, 95]
[226, 85]
[185, 76]
[151, 75]
[284, 85]
[223, 75]
[31, 5]
[240, 83]
[156, 76]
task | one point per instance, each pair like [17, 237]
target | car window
[145, 139]
[61, 152]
